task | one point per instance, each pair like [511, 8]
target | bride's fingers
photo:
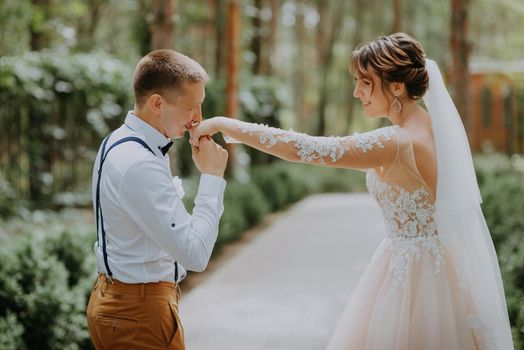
[194, 140]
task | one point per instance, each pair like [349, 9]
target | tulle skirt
[410, 298]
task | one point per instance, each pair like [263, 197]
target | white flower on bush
[179, 189]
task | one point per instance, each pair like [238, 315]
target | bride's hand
[207, 127]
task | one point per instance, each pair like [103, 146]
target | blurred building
[497, 106]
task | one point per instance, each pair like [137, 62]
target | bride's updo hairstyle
[395, 58]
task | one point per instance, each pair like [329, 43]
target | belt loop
[178, 293]
[143, 291]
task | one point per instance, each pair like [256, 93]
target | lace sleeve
[357, 151]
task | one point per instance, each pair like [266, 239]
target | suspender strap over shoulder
[99, 215]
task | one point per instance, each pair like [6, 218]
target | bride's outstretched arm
[357, 151]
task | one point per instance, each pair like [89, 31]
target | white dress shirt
[147, 226]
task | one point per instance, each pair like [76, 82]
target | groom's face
[183, 109]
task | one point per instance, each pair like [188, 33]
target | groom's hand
[209, 157]
[204, 128]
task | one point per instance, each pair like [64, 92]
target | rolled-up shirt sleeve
[149, 197]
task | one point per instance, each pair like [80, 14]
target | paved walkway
[286, 289]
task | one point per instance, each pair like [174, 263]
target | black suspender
[98, 213]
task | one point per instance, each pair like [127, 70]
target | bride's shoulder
[385, 131]
[385, 138]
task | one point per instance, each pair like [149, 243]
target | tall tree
[219, 20]
[256, 40]
[270, 41]
[299, 77]
[233, 34]
[397, 16]
[460, 51]
[88, 24]
[37, 29]
[359, 13]
[162, 28]
[264, 35]
[328, 29]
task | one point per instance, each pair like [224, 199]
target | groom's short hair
[164, 71]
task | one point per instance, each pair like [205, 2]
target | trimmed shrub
[272, 186]
[11, 332]
[253, 204]
[35, 286]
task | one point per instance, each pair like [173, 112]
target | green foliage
[260, 103]
[501, 182]
[253, 204]
[15, 19]
[57, 106]
[45, 75]
[40, 305]
[511, 257]
[502, 201]
[271, 185]
[232, 223]
[72, 253]
[8, 200]
[502, 188]
[295, 183]
[11, 332]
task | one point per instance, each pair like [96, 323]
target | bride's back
[423, 146]
[414, 166]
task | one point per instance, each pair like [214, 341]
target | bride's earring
[396, 106]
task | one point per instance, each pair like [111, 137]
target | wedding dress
[434, 282]
[412, 295]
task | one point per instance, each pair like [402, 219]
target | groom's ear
[154, 103]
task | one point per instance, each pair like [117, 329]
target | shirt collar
[151, 135]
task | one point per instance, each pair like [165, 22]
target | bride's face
[369, 90]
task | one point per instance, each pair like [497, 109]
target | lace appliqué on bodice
[410, 224]
[320, 147]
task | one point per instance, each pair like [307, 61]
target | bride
[434, 282]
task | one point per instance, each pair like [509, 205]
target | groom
[145, 235]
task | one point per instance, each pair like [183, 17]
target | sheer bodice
[409, 217]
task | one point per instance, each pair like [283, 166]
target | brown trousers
[134, 316]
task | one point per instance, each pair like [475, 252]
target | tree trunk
[460, 50]
[328, 32]
[162, 28]
[38, 37]
[256, 41]
[87, 26]
[267, 54]
[299, 71]
[397, 11]
[356, 40]
[233, 34]
[218, 15]
[141, 28]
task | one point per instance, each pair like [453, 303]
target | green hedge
[44, 286]
[501, 181]
[55, 107]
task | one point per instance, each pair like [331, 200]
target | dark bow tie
[165, 148]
